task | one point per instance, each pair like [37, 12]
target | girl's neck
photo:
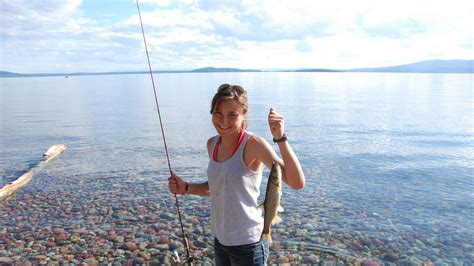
[232, 143]
[232, 140]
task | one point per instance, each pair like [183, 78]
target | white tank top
[234, 190]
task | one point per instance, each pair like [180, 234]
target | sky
[46, 36]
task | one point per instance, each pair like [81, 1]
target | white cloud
[55, 35]
[34, 18]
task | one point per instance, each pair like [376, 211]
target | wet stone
[407, 262]
[6, 260]
[90, 261]
[311, 259]
[139, 260]
[391, 257]
[145, 256]
[369, 262]
[130, 246]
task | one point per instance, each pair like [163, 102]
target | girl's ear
[244, 124]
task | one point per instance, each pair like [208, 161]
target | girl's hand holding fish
[277, 124]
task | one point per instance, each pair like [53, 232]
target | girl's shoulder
[258, 150]
[210, 143]
[211, 140]
[257, 142]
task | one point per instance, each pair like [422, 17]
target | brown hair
[230, 92]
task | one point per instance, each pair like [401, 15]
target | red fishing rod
[189, 259]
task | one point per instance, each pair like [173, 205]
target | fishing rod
[189, 259]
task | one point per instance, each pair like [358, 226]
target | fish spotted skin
[271, 205]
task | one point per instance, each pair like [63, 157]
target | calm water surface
[388, 157]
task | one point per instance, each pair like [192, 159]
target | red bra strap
[216, 149]
[214, 155]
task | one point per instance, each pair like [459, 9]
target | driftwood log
[20, 182]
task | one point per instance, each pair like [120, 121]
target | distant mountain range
[213, 69]
[199, 70]
[431, 66]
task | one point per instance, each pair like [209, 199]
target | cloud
[33, 19]
[53, 35]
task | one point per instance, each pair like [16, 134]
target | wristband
[283, 138]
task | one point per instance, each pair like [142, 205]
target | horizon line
[211, 69]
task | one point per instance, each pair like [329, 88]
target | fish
[53, 152]
[271, 206]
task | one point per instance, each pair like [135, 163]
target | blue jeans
[250, 254]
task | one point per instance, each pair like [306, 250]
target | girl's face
[228, 118]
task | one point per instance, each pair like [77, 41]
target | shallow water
[388, 159]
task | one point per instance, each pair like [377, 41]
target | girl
[234, 174]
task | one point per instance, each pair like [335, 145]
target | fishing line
[185, 240]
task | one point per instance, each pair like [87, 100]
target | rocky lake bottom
[118, 219]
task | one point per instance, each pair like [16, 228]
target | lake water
[388, 160]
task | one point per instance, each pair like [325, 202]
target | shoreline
[134, 221]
